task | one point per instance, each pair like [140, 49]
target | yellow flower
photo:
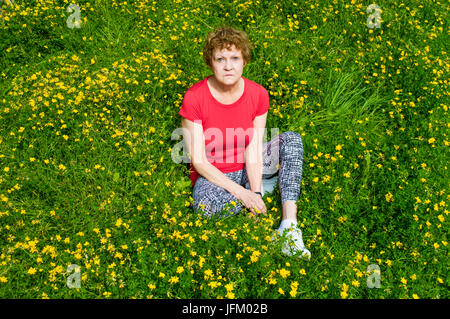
[294, 285]
[254, 257]
[293, 293]
[230, 295]
[140, 99]
[118, 222]
[31, 271]
[284, 273]
[214, 284]
[389, 196]
[174, 280]
[201, 261]
[3, 279]
[208, 273]
[151, 286]
[415, 296]
[344, 293]
[281, 291]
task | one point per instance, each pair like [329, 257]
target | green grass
[86, 175]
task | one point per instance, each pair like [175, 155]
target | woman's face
[227, 65]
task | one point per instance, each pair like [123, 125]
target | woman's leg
[291, 166]
[285, 151]
[210, 199]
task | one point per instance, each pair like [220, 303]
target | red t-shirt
[222, 122]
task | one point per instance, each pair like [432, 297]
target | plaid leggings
[284, 151]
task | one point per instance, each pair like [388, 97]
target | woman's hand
[252, 201]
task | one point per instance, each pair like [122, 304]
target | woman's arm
[253, 154]
[195, 142]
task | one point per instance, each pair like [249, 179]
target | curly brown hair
[226, 37]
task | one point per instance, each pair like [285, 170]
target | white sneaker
[294, 241]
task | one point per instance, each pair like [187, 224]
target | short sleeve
[263, 103]
[190, 109]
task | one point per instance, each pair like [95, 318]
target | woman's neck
[226, 89]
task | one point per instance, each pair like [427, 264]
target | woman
[225, 107]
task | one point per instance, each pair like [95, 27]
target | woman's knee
[293, 140]
[293, 137]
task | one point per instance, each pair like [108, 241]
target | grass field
[87, 177]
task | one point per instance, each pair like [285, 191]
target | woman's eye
[221, 59]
